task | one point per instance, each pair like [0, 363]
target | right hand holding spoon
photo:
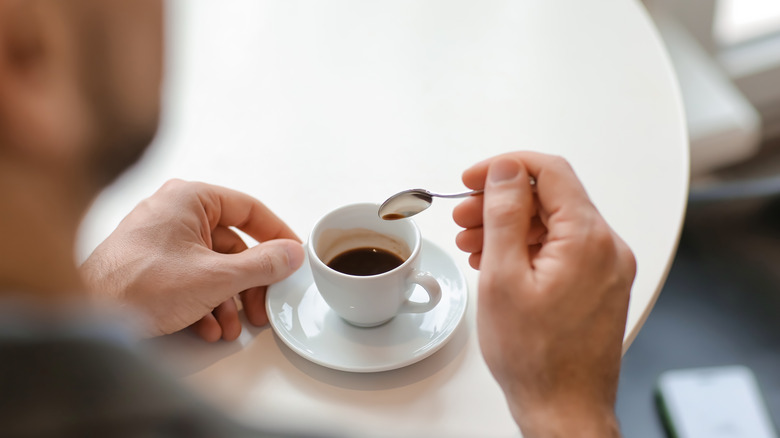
[553, 293]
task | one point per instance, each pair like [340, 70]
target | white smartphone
[722, 402]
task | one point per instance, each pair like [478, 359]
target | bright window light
[737, 21]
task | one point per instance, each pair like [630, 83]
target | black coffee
[393, 216]
[365, 261]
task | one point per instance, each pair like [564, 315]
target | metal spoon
[410, 202]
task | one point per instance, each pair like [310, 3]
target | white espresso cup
[368, 299]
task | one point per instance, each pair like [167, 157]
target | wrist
[101, 277]
[567, 420]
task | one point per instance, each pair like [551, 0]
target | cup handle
[432, 288]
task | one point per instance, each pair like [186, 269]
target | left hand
[175, 258]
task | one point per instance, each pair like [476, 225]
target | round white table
[312, 105]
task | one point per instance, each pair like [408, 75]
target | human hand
[553, 293]
[175, 258]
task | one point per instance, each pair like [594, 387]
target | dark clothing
[71, 386]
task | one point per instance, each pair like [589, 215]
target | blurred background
[721, 303]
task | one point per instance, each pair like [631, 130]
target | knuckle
[612, 249]
[268, 264]
[174, 184]
[611, 256]
[145, 207]
[560, 166]
[597, 236]
[172, 192]
[180, 187]
[629, 260]
[560, 162]
[601, 236]
[503, 212]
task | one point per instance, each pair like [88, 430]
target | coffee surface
[365, 261]
[393, 216]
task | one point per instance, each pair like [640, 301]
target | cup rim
[313, 254]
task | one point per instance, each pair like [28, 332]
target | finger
[557, 186]
[508, 209]
[253, 299]
[230, 208]
[475, 260]
[474, 176]
[261, 265]
[254, 305]
[207, 328]
[468, 214]
[470, 240]
[226, 315]
[226, 241]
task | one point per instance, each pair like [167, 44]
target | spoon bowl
[410, 202]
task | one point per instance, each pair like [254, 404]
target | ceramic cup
[371, 300]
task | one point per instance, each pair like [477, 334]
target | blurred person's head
[79, 102]
[79, 87]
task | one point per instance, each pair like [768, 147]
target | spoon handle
[531, 180]
[458, 195]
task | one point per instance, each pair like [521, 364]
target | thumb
[507, 213]
[266, 263]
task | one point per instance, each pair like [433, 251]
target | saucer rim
[417, 355]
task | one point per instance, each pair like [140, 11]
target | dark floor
[720, 306]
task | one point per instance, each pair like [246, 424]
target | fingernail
[503, 170]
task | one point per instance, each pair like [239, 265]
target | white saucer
[303, 320]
